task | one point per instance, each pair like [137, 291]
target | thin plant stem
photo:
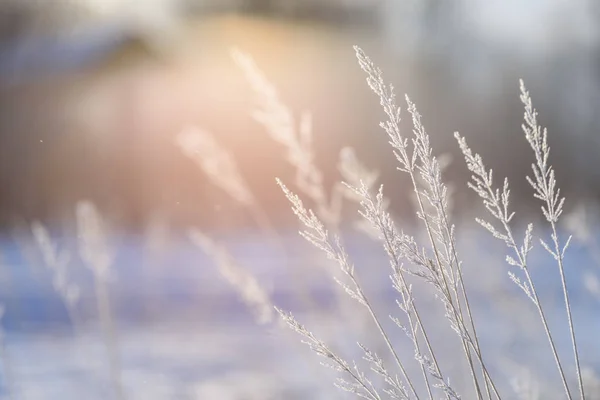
[446, 286]
[399, 143]
[568, 308]
[461, 284]
[400, 274]
[545, 189]
[540, 311]
[537, 304]
[108, 330]
[496, 203]
[488, 379]
[549, 336]
[535, 299]
[316, 233]
[389, 344]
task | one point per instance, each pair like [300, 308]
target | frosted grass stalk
[546, 190]
[316, 233]
[421, 161]
[497, 204]
[374, 212]
[360, 385]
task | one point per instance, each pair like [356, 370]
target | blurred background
[92, 93]
[93, 96]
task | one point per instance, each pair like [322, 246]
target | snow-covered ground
[183, 331]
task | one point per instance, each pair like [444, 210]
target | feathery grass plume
[295, 136]
[220, 167]
[443, 161]
[496, 201]
[316, 233]
[57, 262]
[395, 389]
[434, 211]
[545, 189]
[246, 285]
[96, 255]
[443, 269]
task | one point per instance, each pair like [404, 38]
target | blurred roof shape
[41, 37]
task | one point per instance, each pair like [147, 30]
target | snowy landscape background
[184, 332]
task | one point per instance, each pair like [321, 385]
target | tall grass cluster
[437, 262]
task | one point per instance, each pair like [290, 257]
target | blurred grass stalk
[57, 261]
[8, 373]
[295, 135]
[437, 262]
[96, 255]
[249, 289]
[220, 167]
